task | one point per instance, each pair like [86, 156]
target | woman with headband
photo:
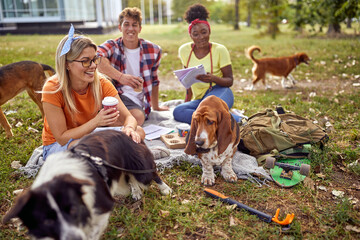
[213, 56]
[72, 97]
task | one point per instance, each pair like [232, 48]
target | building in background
[55, 16]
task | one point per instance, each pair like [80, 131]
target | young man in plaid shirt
[132, 63]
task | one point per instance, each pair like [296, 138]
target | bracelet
[121, 76]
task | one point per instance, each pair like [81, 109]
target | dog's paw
[160, 152]
[228, 174]
[136, 191]
[136, 195]
[250, 87]
[165, 189]
[231, 178]
[207, 180]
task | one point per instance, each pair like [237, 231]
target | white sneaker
[239, 113]
[160, 152]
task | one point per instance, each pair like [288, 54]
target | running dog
[20, 76]
[281, 67]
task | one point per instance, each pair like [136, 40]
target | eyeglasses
[87, 63]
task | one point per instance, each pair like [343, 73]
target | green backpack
[266, 131]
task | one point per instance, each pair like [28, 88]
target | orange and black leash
[263, 216]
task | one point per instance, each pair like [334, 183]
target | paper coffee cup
[140, 87]
[183, 129]
[109, 102]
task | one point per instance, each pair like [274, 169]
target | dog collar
[296, 61]
[96, 162]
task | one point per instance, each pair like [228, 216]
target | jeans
[184, 111]
[54, 148]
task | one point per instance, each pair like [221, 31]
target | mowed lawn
[328, 88]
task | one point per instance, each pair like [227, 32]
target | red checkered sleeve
[107, 48]
[154, 70]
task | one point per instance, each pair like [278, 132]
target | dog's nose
[199, 142]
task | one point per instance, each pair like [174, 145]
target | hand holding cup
[140, 86]
[109, 102]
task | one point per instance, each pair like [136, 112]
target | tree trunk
[298, 13]
[334, 28]
[273, 28]
[348, 23]
[248, 20]
[237, 17]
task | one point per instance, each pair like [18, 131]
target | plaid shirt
[150, 55]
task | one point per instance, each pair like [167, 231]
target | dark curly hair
[196, 11]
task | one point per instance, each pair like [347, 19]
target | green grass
[188, 213]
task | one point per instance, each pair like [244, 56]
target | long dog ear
[190, 147]
[17, 207]
[225, 127]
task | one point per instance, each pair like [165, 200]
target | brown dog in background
[19, 76]
[281, 66]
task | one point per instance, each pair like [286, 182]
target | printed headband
[71, 38]
[196, 21]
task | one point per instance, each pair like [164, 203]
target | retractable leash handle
[263, 216]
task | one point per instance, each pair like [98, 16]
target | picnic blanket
[245, 166]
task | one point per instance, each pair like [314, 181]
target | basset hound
[214, 136]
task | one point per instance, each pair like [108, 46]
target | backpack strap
[275, 119]
[273, 153]
[302, 151]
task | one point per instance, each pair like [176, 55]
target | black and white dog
[72, 196]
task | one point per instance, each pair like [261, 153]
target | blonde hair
[77, 46]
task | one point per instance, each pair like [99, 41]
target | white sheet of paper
[107, 128]
[187, 76]
[154, 131]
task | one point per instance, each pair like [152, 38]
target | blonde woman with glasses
[72, 97]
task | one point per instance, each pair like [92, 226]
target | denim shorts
[54, 148]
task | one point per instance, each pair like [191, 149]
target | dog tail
[49, 71]
[249, 52]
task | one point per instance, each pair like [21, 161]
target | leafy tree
[307, 12]
[274, 14]
[325, 12]
[237, 17]
[221, 12]
[255, 10]
[334, 18]
[298, 20]
[269, 12]
[179, 7]
[350, 9]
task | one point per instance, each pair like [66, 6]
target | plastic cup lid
[183, 126]
[110, 101]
